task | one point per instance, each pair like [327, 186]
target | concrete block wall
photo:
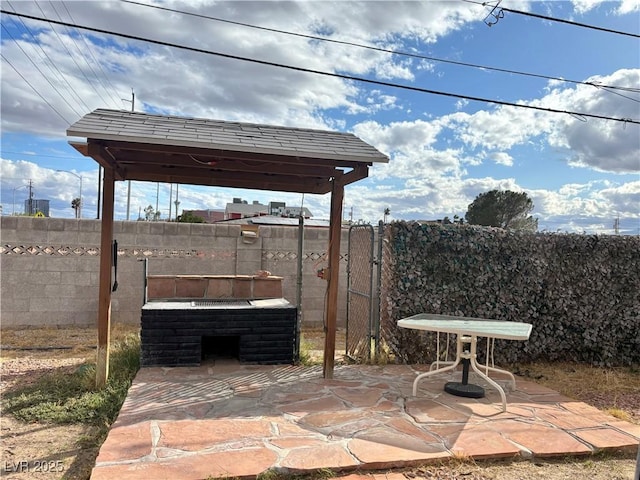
[49, 266]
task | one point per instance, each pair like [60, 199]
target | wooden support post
[104, 292]
[335, 228]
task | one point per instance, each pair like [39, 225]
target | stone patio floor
[226, 420]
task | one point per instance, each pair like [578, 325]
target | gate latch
[323, 273]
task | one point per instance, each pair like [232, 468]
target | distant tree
[150, 214]
[75, 204]
[502, 208]
[387, 212]
[189, 217]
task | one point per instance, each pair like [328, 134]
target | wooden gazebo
[160, 148]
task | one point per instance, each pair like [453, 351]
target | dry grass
[63, 342]
[614, 390]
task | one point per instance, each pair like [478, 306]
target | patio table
[467, 331]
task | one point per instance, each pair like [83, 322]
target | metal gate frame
[360, 299]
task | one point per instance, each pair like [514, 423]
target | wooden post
[104, 293]
[335, 228]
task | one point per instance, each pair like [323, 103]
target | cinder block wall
[49, 266]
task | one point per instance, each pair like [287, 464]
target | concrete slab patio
[226, 420]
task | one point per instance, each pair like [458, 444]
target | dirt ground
[37, 451]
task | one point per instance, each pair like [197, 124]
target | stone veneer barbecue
[189, 318]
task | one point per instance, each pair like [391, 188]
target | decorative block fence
[50, 267]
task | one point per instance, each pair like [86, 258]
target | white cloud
[605, 145]
[502, 158]
[432, 157]
[202, 85]
[624, 7]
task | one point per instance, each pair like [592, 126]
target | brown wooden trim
[228, 179]
[221, 154]
[358, 173]
[335, 229]
[183, 163]
[104, 289]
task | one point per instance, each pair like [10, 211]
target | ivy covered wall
[580, 292]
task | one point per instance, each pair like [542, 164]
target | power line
[69, 52]
[327, 74]
[384, 50]
[52, 66]
[31, 154]
[536, 15]
[90, 51]
[544, 17]
[33, 88]
[82, 55]
[39, 71]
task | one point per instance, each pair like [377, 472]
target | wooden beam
[358, 173]
[221, 154]
[186, 163]
[101, 154]
[81, 147]
[232, 179]
[94, 152]
[104, 289]
[335, 230]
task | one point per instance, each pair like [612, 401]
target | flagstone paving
[226, 420]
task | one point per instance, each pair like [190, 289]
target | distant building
[241, 209]
[280, 209]
[277, 208]
[209, 216]
[31, 207]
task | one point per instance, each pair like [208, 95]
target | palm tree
[387, 212]
[75, 204]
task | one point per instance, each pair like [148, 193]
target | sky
[458, 96]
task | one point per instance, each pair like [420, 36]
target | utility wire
[326, 74]
[34, 89]
[84, 57]
[31, 154]
[90, 50]
[39, 71]
[52, 66]
[553, 19]
[51, 22]
[384, 50]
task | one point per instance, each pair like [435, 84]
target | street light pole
[80, 178]
[13, 201]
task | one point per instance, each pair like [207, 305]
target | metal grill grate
[220, 303]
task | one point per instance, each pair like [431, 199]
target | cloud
[624, 7]
[434, 152]
[502, 158]
[200, 85]
[604, 145]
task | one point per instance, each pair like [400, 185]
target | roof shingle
[103, 124]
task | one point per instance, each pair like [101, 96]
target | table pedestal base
[464, 388]
[468, 390]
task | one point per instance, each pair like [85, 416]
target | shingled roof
[142, 146]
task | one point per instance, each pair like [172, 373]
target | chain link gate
[360, 299]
